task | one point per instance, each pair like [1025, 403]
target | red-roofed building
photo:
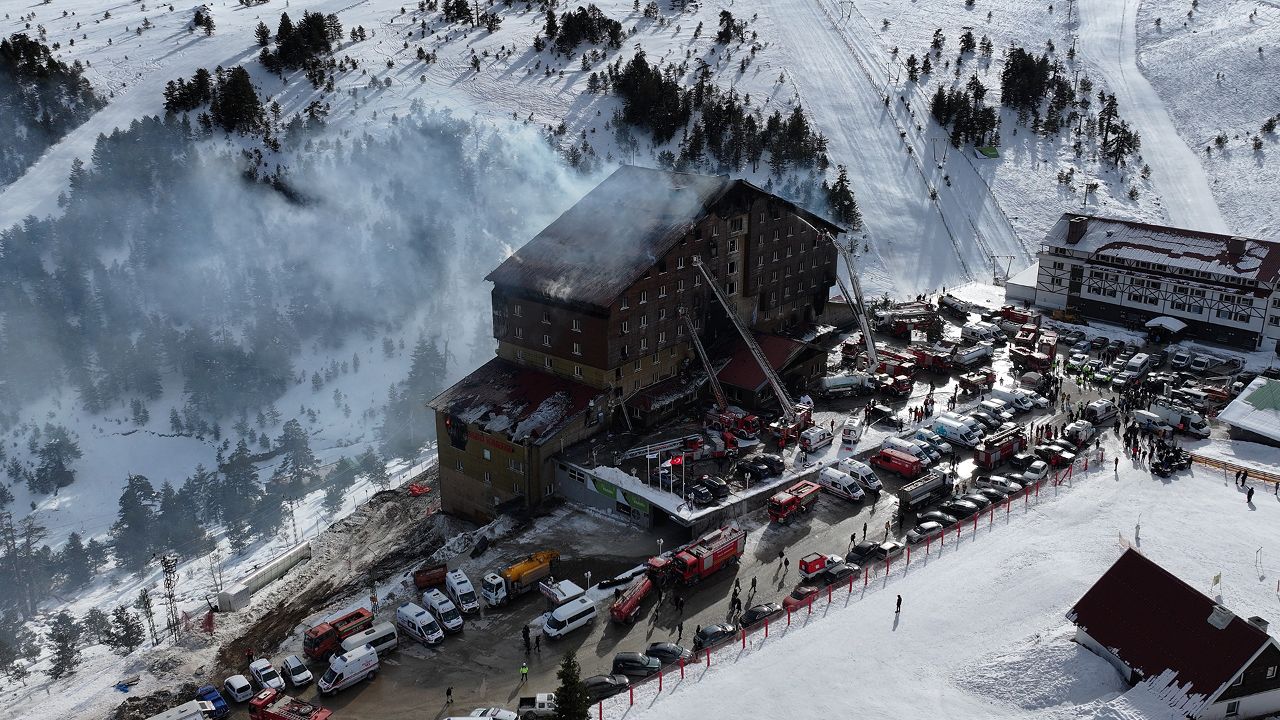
[1154, 627]
[744, 381]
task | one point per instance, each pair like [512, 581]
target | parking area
[481, 666]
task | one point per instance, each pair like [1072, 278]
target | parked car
[860, 552]
[671, 653]
[1098, 343]
[599, 687]
[994, 494]
[888, 551]
[1077, 360]
[496, 713]
[699, 495]
[1036, 471]
[1159, 358]
[1074, 336]
[760, 467]
[210, 694]
[757, 613]
[635, 665]
[999, 482]
[1180, 359]
[265, 674]
[712, 634]
[982, 501]
[939, 517]
[295, 671]
[238, 688]
[717, 486]
[838, 573]
[924, 531]
[959, 508]
[1022, 460]
[799, 597]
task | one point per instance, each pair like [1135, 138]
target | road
[1107, 42]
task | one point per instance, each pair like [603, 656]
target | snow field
[982, 631]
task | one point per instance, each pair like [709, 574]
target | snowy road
[1107, 42]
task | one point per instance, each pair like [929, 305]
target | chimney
[1259, 623]
[1075, 229]
[1220, 617]
[1235, 246]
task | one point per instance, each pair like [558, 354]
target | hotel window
[733, 267]
[546, 341]
[636, 367]
[626, 327]
[644, 296]
[697, 280]
[715, 230]
[520, 355]
[680, 286]
[625, 304]
[1271, 672]
[791, 230]
[775, 233]
[484, 452]
[644, 321]
[662, 291]
[662, 313]
[519, 333]
[546, 317]
[735, 224]
[680, 263]
[546, 362]
[577, 325]
[733, 244]
[517, 311]
[577, 348]
[775, 256]
[731, 288]
[488, 479]
[662, 337]
[644, 344]
[515, 466]
[460, 466]
[577, 371]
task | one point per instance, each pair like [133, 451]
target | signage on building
[491, 441]
[627, 497]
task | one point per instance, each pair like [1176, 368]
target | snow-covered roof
[515, 401]
[1257, 409]
[1233, 256]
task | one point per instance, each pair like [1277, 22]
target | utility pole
[169, 563]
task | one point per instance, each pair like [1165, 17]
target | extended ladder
[722, 402]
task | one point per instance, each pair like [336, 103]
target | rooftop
[616, 232]
[1256, 409]
[525, 405]
[1175, 247]
[1155, 622]
[743, 371]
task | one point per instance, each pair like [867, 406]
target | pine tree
[126, 631]
[132, 534]
[97, 624]
[175, 422]
[299, 465]
[332, 501]
[572, 702]
[263, 34]
[178, 524]
[374, 468]
[18, 646]
[285, 29]
[842, 203]
[64, 635]
[73, 563]
[237, 494]
[6, 495]
[55, 457]
[144, 606]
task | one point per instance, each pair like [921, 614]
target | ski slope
[1107, 38]
[983, 632]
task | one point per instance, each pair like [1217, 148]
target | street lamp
[659, 546]
[588, 579]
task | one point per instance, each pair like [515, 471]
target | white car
[1035, 472]
[266, 675]
[1076, 361]
[295, 671]
[238, 688]
[493, 712]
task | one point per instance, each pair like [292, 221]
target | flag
[677, 459]
[1217, 579]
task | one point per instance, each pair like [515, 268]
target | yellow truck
[518, 578]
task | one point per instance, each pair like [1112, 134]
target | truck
[796, 499]
[274, 705]
[430, 575]
[972, 356]
[932, 358]
[732, 419]
[999, 446]
[701, 558]
[978, 380]
[542, 705]
[1048, 343]
[813, 564]
[957, 308]
[1026, 358]
[1027, 335]
[855, 383]
[897, 386]
[326, 638]
[627, 605]
[517, 578]
[1182, 419]
[915, 495]
[191, 710]
[1022, 316]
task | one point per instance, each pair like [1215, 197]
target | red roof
[744, 372]
[1155, 622]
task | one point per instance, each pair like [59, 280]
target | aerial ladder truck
[725, 417]
[796, 417]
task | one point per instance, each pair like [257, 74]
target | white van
[1139, 363]
[445, 612]
[997, 409]
[862, 473]
[414, 621]
[1018, 401]
[815, 438]
[382, 637]
[997, 333]
[908, 447]
[930, 438]
[458, 586]
[976, 333]
[840, 484]
[1147, 420]
[955, 431]
[347, 669]
[570, 616]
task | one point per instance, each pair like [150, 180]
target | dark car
[718, 487]
[599, 687]
[712, 634]
[635, 665]
[982, 501]
[668, 653]
[774, 463]
[838, 573]
[1098, 343]
[1073, 337]
[959, 508]
[860, 552]
[699, 495]
[992, 494]
[939, 517]
[1159, 358]
[757, 613]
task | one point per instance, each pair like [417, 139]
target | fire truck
[1020, 315]
[326, 638]
[1027, 335]
[274, 705]
[796, 499]
[895, 362]
[934, 359]
[1048, 343]
[699, 559]
[978, 380]
[627, 606]
[998, 447]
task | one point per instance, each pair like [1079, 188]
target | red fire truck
[627, 606]
[1019, 315]
[700, 558]
[998, 447]
[933, 359]
[796, 499]
[324, 639]
[274, 705]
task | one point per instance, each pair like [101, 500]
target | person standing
[537, 644]
[1248, 498]
[448, 695]
[898, 608]
[679, 630]
[525, 632]
[524, 673]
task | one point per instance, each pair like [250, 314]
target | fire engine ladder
[721, 401]
[655, 448]
[860, 307]
[775, 382]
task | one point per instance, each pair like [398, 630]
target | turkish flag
[677, 460]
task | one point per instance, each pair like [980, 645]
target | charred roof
[615, 233]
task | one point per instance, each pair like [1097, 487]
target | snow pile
[1041, 671]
